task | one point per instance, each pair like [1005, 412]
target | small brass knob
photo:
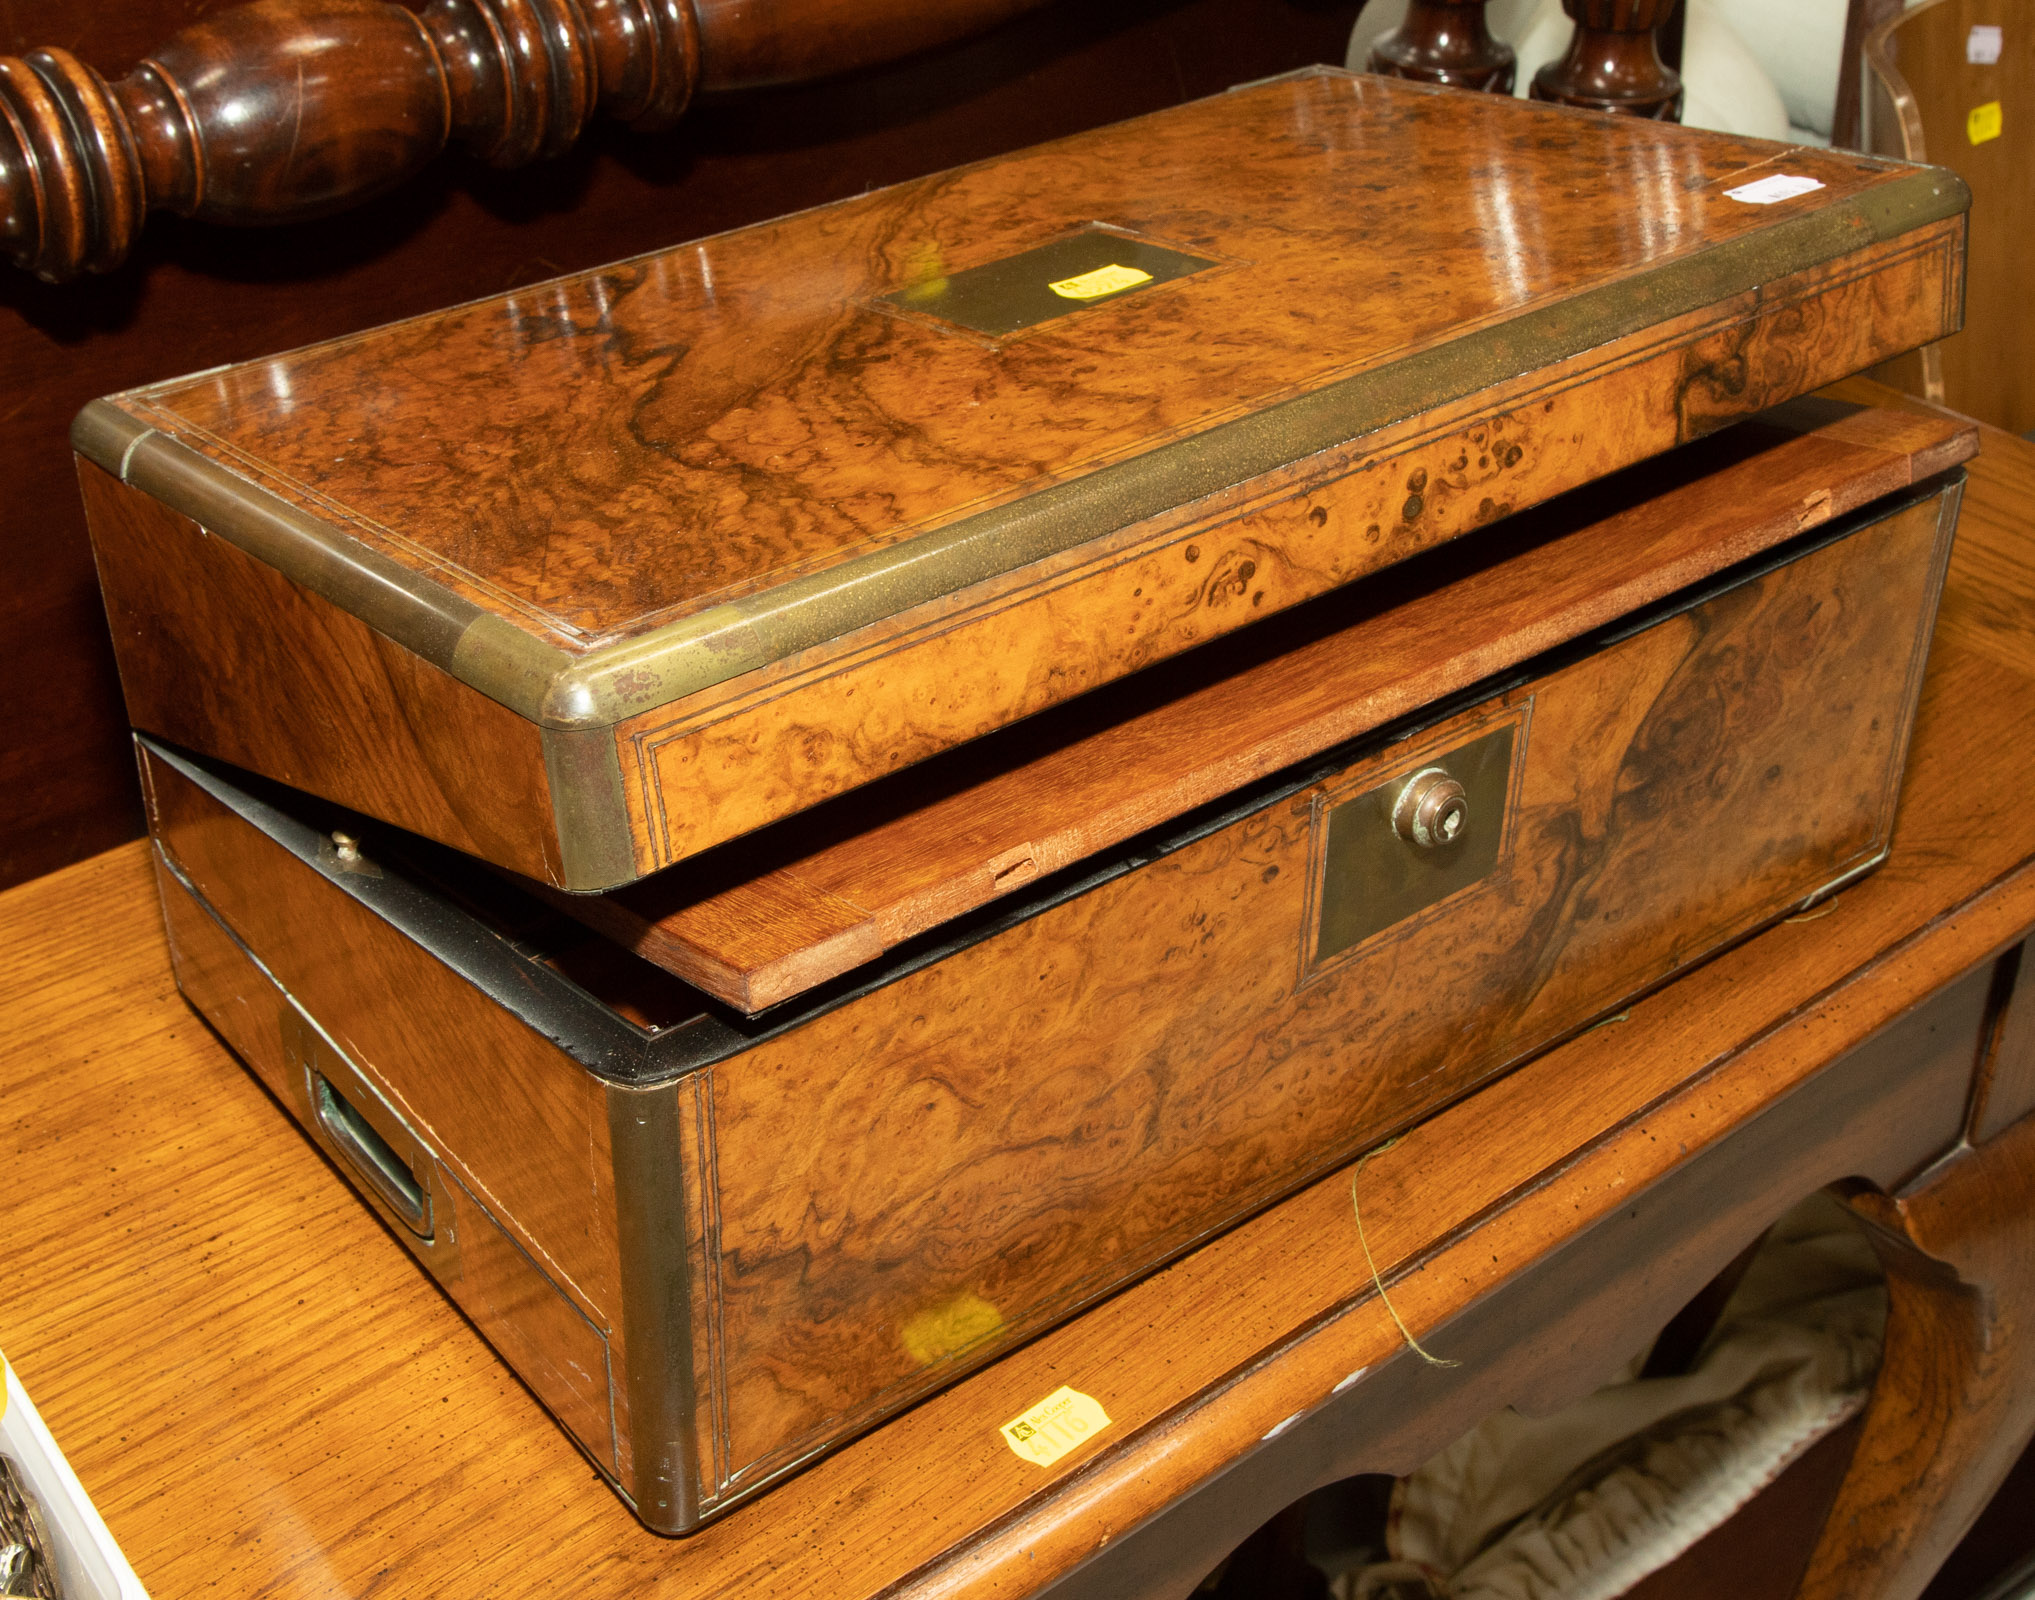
[1432, 809]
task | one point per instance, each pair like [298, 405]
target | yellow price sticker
[1065, 1420]
[1983, 122]
[1103, 280]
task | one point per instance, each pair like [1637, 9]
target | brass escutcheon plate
[1370, 879]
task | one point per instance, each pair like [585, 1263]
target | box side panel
[912, 1181]
[517, 1122]
[521, 1311]
[772, 742]
[225, 655]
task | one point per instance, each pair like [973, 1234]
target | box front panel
[915, 1179]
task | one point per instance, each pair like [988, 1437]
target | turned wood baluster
[1448, 42]
[290, 108]
[285, 109]
[1614, 62]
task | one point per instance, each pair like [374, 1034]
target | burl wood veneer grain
[770, 742]
[762, 416]
[681, 441]
[220, 652]
[1196, 1365]
[979, 824]
[1673, 791]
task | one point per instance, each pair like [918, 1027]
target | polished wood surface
[1613, 61]
[1925, 91]
[723, 761]
[492, 1081]
[196, 296]
[182, 1304]
[757, 412]
[1447, 42]
[471, 770]
[1633, 844]
[979, 824]
[731, 552]
[282, 109]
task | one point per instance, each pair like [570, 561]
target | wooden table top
[265, 1397]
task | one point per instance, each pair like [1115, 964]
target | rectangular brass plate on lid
[1021, 291]
[1371, 879]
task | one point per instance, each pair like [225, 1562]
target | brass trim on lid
[561, 691]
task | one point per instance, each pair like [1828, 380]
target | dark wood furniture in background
[194, 295]
[1614, 62]
[1447, 42]
[276, 110]
[1535, 1233]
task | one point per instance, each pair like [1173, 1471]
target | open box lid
[617, 494]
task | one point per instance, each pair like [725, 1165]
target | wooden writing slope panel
[719, 1245]
[814, 897]
[591, 577]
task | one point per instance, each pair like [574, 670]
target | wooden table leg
[1955, 1402]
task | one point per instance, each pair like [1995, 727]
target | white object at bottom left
[89, 1565]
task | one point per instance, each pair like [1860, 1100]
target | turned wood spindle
[1446, 42]
[287, 109]
[1614, 62]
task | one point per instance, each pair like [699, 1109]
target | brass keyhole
[1431, 809]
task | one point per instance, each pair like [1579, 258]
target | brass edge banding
[103, 434]
[697, 652]
[479, 648]
[597, 690]
[583, 770]
[663, 1478]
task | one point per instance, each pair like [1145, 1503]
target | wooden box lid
[1335, 318]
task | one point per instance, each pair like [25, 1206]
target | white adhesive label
[1982, 45]
[1765, 191]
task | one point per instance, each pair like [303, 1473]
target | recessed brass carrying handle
[1431, 809]
[370, 1155]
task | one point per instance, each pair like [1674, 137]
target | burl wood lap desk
[265, 1396]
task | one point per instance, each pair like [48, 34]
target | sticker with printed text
[1780, 186]
[1103, 280]
[1065, 1420]
[1983, 44]
[1983, 122]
